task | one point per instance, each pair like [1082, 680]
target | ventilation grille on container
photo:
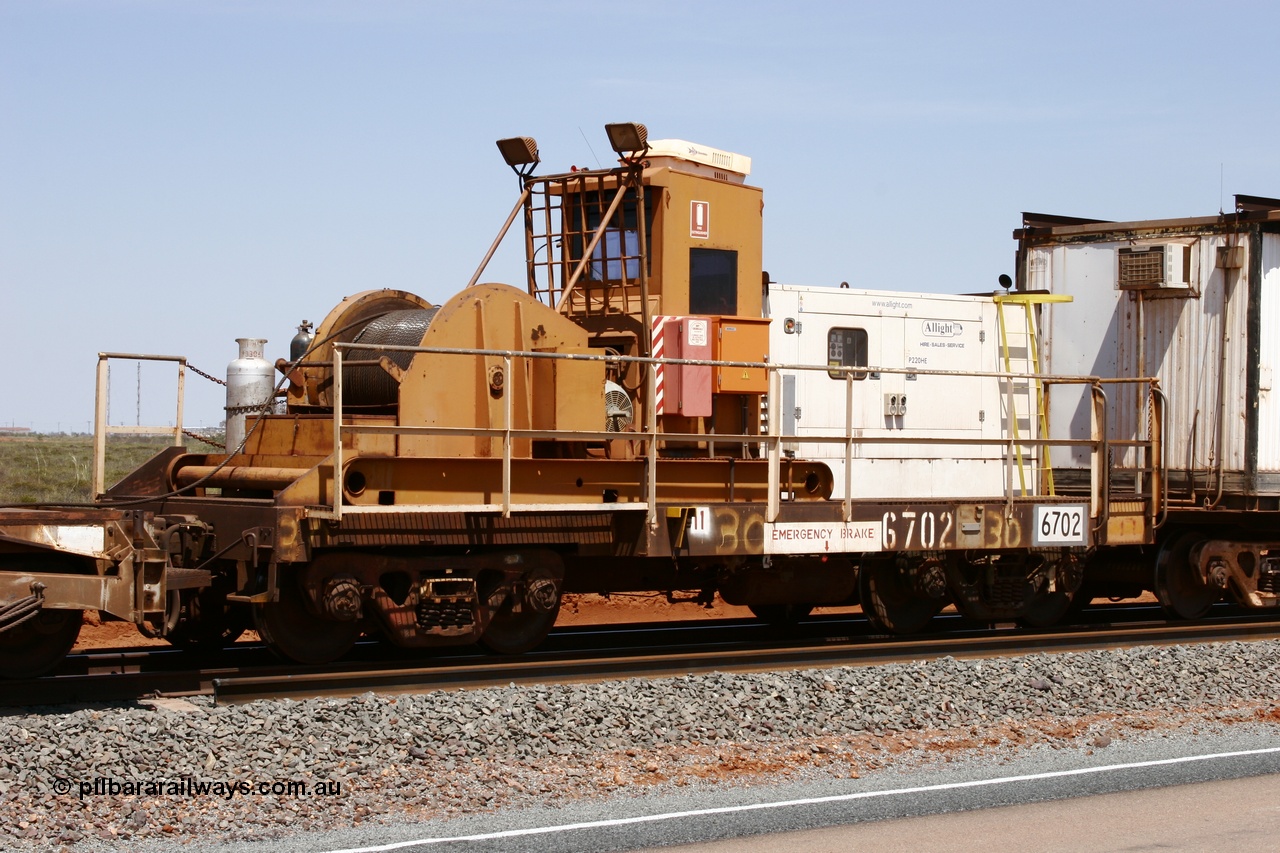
[1158, 267]
[1142, 267]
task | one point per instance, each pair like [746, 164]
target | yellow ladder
[1027, 299]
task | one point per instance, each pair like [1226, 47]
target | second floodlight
[627, 137]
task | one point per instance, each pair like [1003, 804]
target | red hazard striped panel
[658, 323]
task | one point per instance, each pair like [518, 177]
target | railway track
[248, 672]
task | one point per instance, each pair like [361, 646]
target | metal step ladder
[1027, 300]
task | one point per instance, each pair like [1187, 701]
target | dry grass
[59, 468]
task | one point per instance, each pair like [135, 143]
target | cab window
[846, 348]
[713, 281]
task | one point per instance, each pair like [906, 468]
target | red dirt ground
[587, 609]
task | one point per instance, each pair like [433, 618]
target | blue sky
[179, 174]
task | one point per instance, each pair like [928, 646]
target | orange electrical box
[741, 339]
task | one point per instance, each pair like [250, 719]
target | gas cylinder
[301, 342]
[250, 387]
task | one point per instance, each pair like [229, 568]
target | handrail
[651, 448]
[1159, 411]
[506, 443]
[1100, 470]
[336, 485]
[848, 447]
[770, 442]
[765, 365]
[101, 429]
[775, 453]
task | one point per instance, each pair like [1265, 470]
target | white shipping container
[1203, 321]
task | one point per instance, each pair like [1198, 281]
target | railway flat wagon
[443, 474]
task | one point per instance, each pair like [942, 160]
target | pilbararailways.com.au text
[192, 788]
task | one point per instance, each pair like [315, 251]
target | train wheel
[515, 633]
[1050, 606]
[208, 622]
[294, 633]
[1178, 586]
[890, 601]
[511, 633]
[780, 615]
[1047, 608]
[39, 644]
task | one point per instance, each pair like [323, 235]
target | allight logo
[942, 329]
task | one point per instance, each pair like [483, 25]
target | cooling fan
[619, 413]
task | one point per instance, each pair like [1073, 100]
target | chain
[207, 441]
[198, 372]
[231, 410]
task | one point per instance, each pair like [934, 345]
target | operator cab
[660, 256]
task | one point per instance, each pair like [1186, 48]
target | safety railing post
[337, 432]
[100, 429]
[1009, 453]
[1100, 469]
[651, 439]
[506, 437]
[848, 446]
[182, 390]
[775, 450]
[1159, 474]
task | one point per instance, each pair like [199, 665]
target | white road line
[811, 801]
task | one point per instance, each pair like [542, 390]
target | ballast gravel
[177, 772]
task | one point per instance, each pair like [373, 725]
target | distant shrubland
[58, 468]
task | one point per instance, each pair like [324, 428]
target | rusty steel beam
[114, 594]
[237, 477]
[451, 481]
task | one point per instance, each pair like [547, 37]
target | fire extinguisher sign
[700, 219]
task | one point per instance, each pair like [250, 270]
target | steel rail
[834, 651]
[615, 651]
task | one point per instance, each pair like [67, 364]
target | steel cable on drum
[365, 382]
